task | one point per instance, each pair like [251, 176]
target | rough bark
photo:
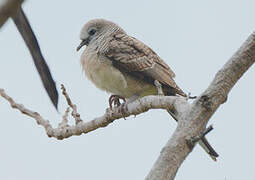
[193, 122]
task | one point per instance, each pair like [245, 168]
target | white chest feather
[100, 71]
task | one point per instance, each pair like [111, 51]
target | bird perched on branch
[123, 66]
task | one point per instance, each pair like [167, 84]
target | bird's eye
[92, 32]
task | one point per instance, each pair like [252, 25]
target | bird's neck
[100, 43]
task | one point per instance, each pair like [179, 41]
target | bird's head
[96, 28]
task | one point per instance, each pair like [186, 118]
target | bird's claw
[123, 109]
[115, 100]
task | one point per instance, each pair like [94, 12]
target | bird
[125, 67]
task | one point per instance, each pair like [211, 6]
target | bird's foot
[115, 100]
[123, 109]
[159, 87]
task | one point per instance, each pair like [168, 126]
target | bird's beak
[83, 42]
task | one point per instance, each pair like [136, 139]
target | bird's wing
[134, 57]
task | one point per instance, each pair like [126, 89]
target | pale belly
[108, 78]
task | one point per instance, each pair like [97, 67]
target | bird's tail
[203, 142]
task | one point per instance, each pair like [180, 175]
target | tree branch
[193, 122]
[12, 8]
[64, 130]
[8, 8]
[30, 40]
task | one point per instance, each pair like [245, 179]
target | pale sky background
[194, 37]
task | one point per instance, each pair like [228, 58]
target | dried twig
[75, 114]
[64, 122]
[64, 130]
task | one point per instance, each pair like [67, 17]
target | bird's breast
[105, 76]
[100, 71]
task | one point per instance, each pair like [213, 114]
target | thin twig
[64, 122]
[75, 114]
